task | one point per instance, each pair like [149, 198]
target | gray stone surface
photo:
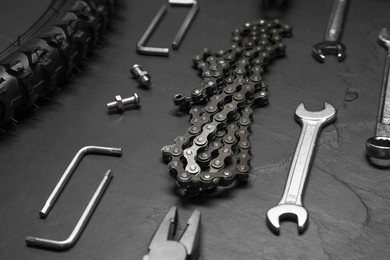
[347, 198]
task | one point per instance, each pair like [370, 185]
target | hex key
[71, 167]
[71, 240]
[142, 49]
[187, 21]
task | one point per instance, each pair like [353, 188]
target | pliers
[187, 248]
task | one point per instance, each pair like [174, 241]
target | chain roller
[221, 108]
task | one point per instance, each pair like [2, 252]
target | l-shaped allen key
[112, 151]
[72, 239]
[161, 51]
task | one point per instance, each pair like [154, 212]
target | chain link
[221, 109]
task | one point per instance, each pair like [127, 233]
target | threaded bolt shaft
[119, 105]
[142, 76]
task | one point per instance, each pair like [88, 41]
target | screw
[141, 75]
[119, 105]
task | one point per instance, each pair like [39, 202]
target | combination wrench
[291, 203]
[332, 41]
[378, 147]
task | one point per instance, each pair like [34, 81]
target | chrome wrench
[332, 41]
[291, 203]
[378, 147]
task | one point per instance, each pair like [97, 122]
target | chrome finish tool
[72, 239]
[163, 51]
[70, 169]
[187, 248]
[291, 203]
[332, 41]
[378, 147]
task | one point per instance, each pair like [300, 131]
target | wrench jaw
[327, 115]
[378, 150]
[384, 37]
[322, 49]
[287, 211]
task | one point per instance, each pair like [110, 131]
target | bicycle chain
[221, 109]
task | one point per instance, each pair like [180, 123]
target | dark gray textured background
[347, 198]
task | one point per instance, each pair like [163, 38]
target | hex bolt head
[142, 76]
[119, 105]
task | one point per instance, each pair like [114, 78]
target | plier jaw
[162, 247]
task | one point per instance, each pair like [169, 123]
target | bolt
[141, 75]
[119, 105]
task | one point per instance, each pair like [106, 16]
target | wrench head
[327, 115]
[287, 211]
[378, 150]
[322, 49]
[384, 37]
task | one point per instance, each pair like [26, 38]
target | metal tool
[378, 147]
[332, 41]
[141, 75]
[70, 169]
[187, 21]
[291, 203]
[187, 248]
[119, 105]
[142, 49]
[71, 240]
[147, 50]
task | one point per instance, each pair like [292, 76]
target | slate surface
[347, 198]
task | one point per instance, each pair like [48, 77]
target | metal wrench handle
[378, 147]
[291, 202]
[301, 162]
[384, 106]
[303, 156]
[336, 21]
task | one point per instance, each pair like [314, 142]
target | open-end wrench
[332, 41]
[291, 203]
[378, 147]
